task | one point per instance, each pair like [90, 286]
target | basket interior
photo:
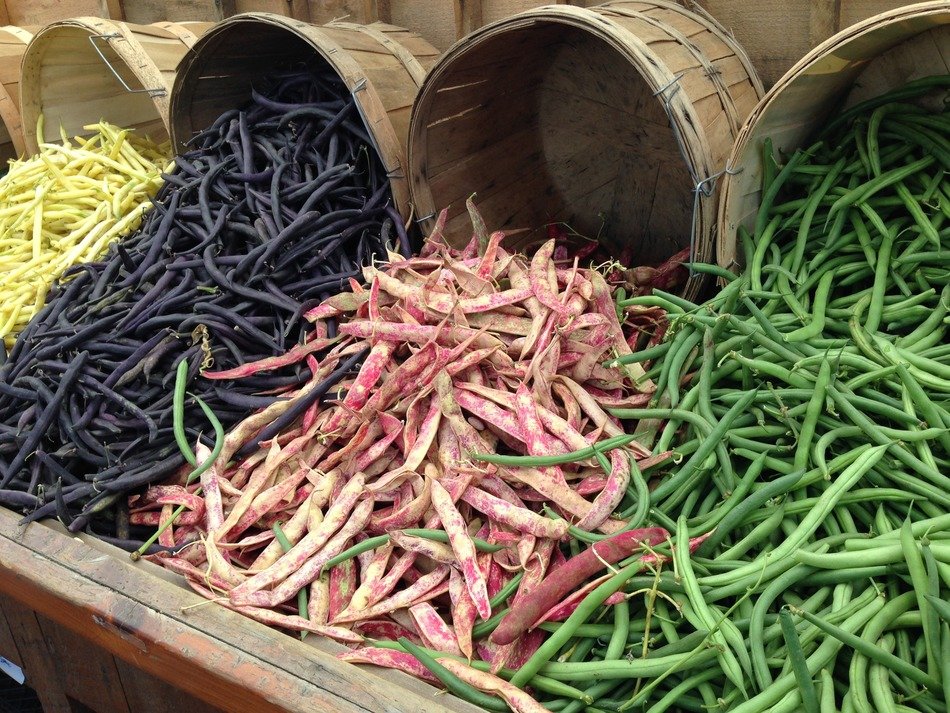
[550, 123]
[77, 88]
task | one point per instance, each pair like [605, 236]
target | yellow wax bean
[118, 141]
[56, 169]
[66, 205]
[7, 326]
[71, 195]
[103, 161]
[38, 223]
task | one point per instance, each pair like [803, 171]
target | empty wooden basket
[615, 120]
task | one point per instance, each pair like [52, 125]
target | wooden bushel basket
[381, 64]
[13, 42]
[860, 62]
[81, 70]
[778, 34]
[616, 120]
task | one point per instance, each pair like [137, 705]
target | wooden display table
[94, 631]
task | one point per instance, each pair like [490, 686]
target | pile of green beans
[807, 405]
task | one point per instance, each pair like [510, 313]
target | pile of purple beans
[276, 207]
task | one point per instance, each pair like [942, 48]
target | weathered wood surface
[71, 674]
[58, 592]
[777, 34]
[41, 12]
[13, 42]
[30, 655]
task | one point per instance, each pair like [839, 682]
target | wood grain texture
[363, 11]
[146, 618]
[41, 12]
[143, 12]
[434, 20]
[144, 692]
[8, 645]
[778, 34]
[71, 674]
[13, 42]
[38, 668]
[469, 16]
[86, 673]
[198, 10]
[297, 9]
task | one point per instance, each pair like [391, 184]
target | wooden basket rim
[700, 15]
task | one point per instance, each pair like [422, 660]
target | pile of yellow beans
[64, 206]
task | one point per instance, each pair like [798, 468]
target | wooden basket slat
[13, 42]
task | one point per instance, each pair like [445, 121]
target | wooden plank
[823, 20]
[144, 12]
[42, 12]
[297, 9]
[113, 9]
[324, 11]
[434, 20]
[211, 653]
[494, 10]
[8, 646]
[503, 206]
[804, 24]
[146, 638]
[149, 11]
[459, 136]
[147, 693]
[88, 673]
[226, 8]
[468, 16]
[852, 11]
[381, 10]
[38, 667]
